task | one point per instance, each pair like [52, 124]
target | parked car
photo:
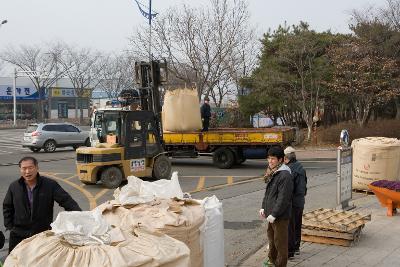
[49, 136]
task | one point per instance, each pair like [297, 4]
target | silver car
[49, 136]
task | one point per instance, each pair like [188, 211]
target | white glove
[271, 219]
[262, 214]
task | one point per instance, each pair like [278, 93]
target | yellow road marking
[69, 178]
[229, 180]
[99, 194]
[225, 185]
[200, 184]
[88, 195]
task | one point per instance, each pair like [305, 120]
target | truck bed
[280, 135]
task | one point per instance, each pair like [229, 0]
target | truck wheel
[162, 168]
[111, 177]
[223, 158]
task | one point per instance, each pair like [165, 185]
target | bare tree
[383, 29]
[1, 65]
[202, 45]
[117, 75]
[38, 65]
[83, 67]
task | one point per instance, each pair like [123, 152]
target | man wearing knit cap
[299, 191]
[276, 206]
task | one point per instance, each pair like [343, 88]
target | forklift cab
[136, 131]
[129, 144]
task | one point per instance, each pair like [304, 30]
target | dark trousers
[294, 230]
[14, 240]
[278, 242]
[206, 124]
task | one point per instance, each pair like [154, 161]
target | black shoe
[291, 255]
[297, 252]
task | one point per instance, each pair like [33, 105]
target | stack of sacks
[160, 208]
[181, 111]
[85, 239]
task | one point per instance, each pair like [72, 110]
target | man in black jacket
[2, 239]
[299, 191]
[28, 205]
[205, 111]
[276, 206]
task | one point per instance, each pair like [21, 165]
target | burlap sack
[181, 111]
[178, 219]
[375, 158]
[143, 249]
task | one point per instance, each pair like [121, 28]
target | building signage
[68, 92]
[22, 92]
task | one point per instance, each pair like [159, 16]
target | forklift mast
[149, 77]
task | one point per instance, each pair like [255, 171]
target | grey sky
[106, 24]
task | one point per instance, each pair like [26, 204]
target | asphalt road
[240, 189]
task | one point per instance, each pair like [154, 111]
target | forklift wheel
[111, 177]
[162, 168]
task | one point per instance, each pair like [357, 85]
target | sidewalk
[316, 154]
[379, 244]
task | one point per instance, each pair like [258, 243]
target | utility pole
[15, 98]
[150, 17]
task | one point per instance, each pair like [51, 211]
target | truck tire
[111, 177]
[223, 158]
[162, 168]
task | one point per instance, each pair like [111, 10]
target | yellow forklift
[130, 138]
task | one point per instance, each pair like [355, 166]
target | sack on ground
[138, 249]
[180, 219]
[138, 191]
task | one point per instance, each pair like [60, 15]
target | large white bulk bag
[85, 239]
[375, 158]
[181, 220]
[213, 233]
[181, 111]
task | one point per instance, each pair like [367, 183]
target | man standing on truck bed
[205, 111]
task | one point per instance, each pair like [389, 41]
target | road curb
[316, 159]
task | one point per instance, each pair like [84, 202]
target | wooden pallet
[334, 227]
[336, 220]
[327, 240]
